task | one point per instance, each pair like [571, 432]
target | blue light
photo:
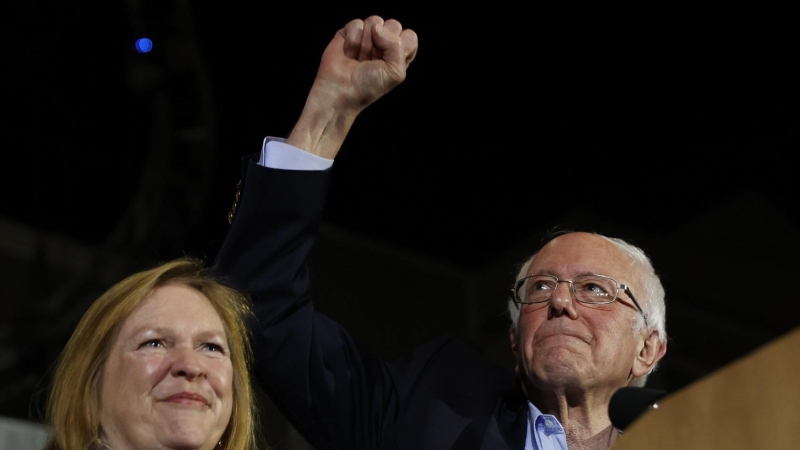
[144, 45]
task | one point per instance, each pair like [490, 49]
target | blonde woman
[159, 361]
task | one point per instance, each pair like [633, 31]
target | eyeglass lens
[587, 289]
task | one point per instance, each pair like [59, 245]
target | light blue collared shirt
[544, 431]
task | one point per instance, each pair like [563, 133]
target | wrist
[323, 124]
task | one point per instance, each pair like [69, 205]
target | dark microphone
[628, 403]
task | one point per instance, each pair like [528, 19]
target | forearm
[323, 125]
[364, 61]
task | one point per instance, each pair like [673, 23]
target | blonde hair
[73, 404]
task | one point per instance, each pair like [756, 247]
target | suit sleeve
[335, 395]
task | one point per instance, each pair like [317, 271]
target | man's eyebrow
[583, 273]
[590, 274]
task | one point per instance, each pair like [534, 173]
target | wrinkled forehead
[574, 254]
[174, 306]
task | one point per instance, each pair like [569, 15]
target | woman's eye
[213, 347]
[152, 343]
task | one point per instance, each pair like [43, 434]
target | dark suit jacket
[444, 396]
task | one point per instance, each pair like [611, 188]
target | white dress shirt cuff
[277, 154]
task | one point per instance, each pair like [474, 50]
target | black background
[641, 116]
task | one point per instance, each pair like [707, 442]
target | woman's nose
[186, 363]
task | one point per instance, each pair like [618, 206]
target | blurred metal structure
[21, 435]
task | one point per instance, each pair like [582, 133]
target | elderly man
[578, 335]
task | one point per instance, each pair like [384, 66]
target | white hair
[651, 299]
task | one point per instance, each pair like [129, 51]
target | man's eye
[595, 289]
[541, 286]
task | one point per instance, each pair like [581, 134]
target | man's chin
[560, 367]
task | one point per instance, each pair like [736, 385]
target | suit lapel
[507, 427]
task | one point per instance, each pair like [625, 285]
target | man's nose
[562, 301]
[186, 363]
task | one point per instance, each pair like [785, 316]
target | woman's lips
[187, 398]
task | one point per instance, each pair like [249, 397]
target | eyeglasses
[589, 289]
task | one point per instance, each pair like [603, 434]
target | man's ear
[650, 353]
[512, 336]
